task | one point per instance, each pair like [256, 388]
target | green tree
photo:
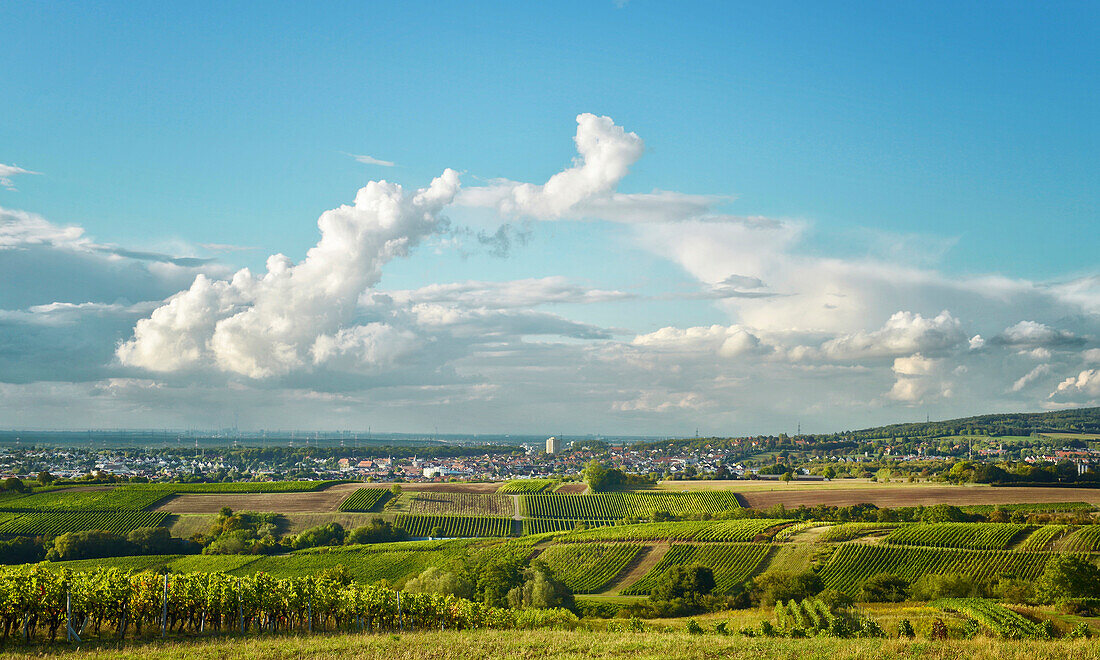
[1065, 577]
[151, 540]
[540, 589]
[595, 475]
[884, 588]
[442, 581]
[684, 582]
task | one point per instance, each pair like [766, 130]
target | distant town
[811, 457]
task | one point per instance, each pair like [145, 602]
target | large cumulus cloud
[297, 315]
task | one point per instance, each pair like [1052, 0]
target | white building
[553, 445]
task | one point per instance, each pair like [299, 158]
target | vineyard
[1044, 537]
[586, 567]
[462, 504]
[545, 525]
[975, 536]
[996, 617]
[120, 522]
[851, 564]
[42, 604]
[123, 498]
[452, 526]
[1085, 539]
[854, 530]
[615, 506]
[695, 530]
[732, 564]
[1031, 507]
[365, 499]
[528, 486]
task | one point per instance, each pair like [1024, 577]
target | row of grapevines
[545, 525]
[1045, 536]
[468, 504]
[1031, 507]
[38, 601]
[586, 567]
[810, 615]
[854, 530]
[365, 499]
[997, 617]
[615, 506]
[976, 536]
[1085, 539]
[731, 563]
[746, 529]
[113, 499]
[853, 563]
[61, 522]
[454, 526]
[528, 485]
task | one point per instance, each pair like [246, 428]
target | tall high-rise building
[553, 445]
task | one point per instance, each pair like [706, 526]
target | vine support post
[164, 609]
[309, 610]
[400, 616]
[70, 633]
[240, 605]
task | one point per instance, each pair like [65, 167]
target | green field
[732, 564]
[698, 530]
[528, 486]
[455, 526]
[853, 563]
[587, 567]
[615, 506]
[975, 536]
[365, 499]
[125, 498]
[60, 522]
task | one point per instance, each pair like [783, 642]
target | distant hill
[1078, 420]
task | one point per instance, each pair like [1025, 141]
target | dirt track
[901, 496]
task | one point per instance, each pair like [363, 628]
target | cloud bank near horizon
[129, 334]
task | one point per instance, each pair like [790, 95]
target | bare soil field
[906, 495]
[312, 502]
[572, 488]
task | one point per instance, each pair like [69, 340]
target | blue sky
[952, 143]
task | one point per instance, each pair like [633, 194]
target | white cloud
[9, 171]
[918, 379]
[264, 326]
[508, 294]
[1030, 334]
[904, 333]
[661, 402]
[370, 160]
[727, 342]
[1086, 385]
[1030, 377]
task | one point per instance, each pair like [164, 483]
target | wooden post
[400, 617]
[309, 609]
[164, 609]
[240, 605]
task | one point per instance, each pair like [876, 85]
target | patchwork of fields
[582, 538]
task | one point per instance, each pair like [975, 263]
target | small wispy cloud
[9, 171]
[371, 160]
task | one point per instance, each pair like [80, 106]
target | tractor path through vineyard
[650, 556]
